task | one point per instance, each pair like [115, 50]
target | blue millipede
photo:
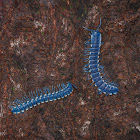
[93, 66]
[41, 96]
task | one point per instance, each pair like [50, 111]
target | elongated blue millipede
[93, 66]
[41, 96]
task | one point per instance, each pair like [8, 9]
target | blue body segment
[41, 96]
[96, 79]
[95, 46]
[92, 50]
[93, 61]
[107, 88]
[111, 90]
[95, 50]
[41, 99]
[94, 53]
[102, 86]
[96, 39]
[95, 75]
[46, 98]
[94, 58]
[93, 65]
[99, 83]
[95, 70]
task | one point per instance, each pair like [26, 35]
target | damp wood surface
[42, 43]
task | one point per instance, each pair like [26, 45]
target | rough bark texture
[41, 44]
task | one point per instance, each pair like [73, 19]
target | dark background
[42, 43]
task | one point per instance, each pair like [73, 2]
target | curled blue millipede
[41, 96]
[93, 66]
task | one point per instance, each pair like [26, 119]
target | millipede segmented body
[93, 66]
[41, 96]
